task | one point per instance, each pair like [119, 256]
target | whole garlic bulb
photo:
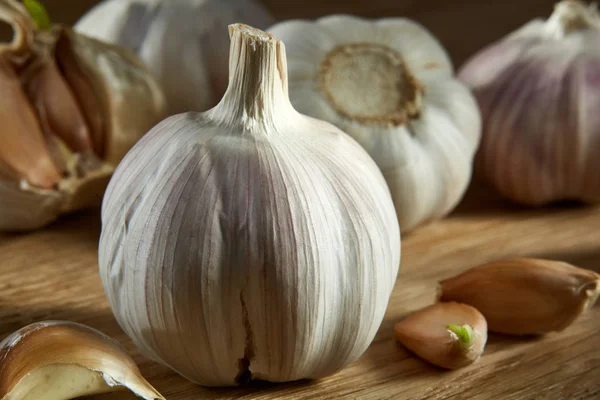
[249, 240]
[539, 93]
[184, 43]
[71, 108]
[390, 85]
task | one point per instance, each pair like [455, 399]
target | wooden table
[52, 274]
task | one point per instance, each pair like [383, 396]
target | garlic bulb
[249, 241]
[539, 93]
[390, 85]
[184, 43]
[70, 110]
[60, 360]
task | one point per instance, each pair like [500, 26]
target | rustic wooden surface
[52, 274]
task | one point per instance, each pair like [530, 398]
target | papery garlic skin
[426, 333]
[184, 43]
[60, 360]
[539, 94]
[249, 241]
[525, 296]
[389, 84]
[72, 107]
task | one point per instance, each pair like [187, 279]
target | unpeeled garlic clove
[59, 360]
[449, 335]
[21, 142]
[525, 296]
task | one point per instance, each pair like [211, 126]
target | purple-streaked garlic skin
[539, 94]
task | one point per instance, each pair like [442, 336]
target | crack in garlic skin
[263, 242]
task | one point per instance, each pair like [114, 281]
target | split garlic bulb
[539, 92]
[71, 108]
[184, 43]
[249, 240]
[390, 85]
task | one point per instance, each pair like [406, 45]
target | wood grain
[52, 274]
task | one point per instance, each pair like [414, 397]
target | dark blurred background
[464, 26]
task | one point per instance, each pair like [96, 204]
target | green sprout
[465, 334]
[39, 14]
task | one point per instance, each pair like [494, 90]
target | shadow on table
[588, 258]
[84, 225]
[187, 390]
[481, 200]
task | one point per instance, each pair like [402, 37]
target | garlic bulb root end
[391, 95]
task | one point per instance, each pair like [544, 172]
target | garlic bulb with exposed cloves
[249, 241]
[390, 85]
[183, 42]
[71, 107]
[539, 92]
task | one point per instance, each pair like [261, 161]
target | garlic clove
[449, 335]
[126, 96]
[57, 108]
[88, 97]
[27, 208]
[59, 360]
[21, 142]
[525, 296]
[6, 173]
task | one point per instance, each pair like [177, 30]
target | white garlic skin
[426, 161]
[539, 93]
[184, 43]
[249, 234]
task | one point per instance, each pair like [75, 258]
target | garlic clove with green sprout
[389, 84]
[539, 93]
[71, 108]
[184, 43]
[450, 335]
[249, 241]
